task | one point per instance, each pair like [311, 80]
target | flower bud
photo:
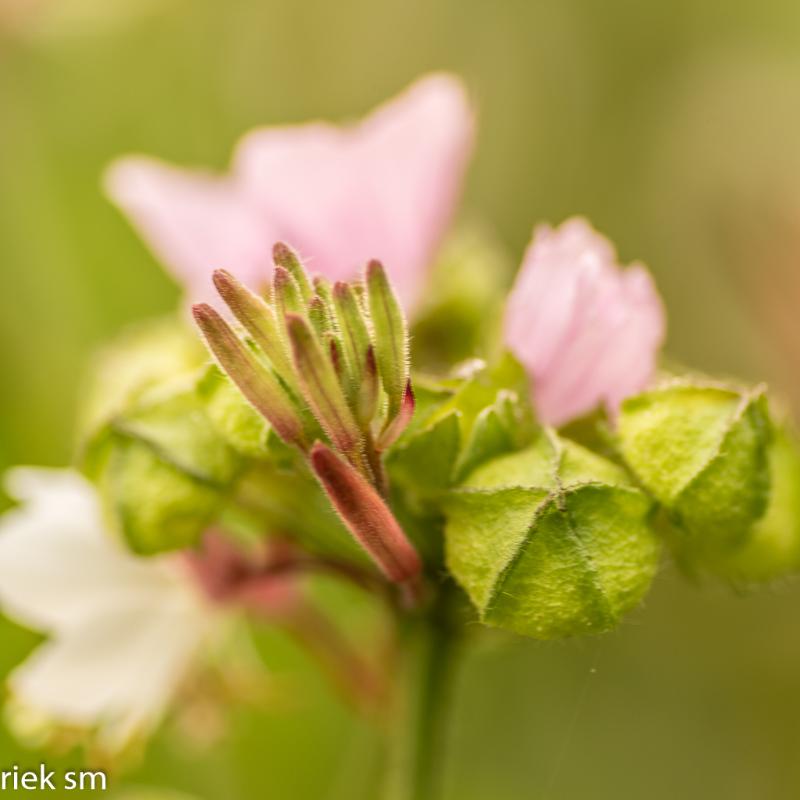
[366, 516]
[701, 451]
[391, 338]
[162, 469]
[773, 546]
[551, 541]
[255, 381]
[257, 318]
[322, 390]
[285, 257]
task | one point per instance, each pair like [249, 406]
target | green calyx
[551, 541]
[702, 451]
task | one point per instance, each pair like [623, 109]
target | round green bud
[551, 541]
[154, 505]
[162, 469]
[701, 451]
[773, 547]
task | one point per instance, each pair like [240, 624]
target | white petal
[123, 629]
[118, 670]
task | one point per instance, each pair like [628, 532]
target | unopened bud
[257, 383]
[391, 338]
[257, 318]
[366, 516]
[322, 390]
[285, 257]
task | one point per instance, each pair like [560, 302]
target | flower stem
[417, 735]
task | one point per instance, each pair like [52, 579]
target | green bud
[323, 392]
[354, 332]
[156, 506]
[701, 451]
[369, 388]
[286, 294]
[257, 318]
[286, 258]
[551, 541]
[390, 338]
[255, 381]
[319, 318]
[773, 546]
[163, 470]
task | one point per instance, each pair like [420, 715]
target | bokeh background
[675, 126]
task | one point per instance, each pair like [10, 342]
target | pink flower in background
[383, 188]
[586, 330]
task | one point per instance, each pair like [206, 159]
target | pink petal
[385, 188]
[587, 331]
[194, 222]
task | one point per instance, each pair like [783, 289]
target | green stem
[419, 726]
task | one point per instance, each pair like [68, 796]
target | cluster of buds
[327, 367]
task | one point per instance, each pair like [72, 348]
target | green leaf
[551, 541]
[701, 450]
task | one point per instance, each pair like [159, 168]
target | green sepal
[701, 451]
[551, 541]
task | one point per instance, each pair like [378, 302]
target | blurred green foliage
[673, 126]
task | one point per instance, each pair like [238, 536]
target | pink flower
[586, 330]
[383, 188]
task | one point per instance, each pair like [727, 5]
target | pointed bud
[391, 337]
[257, 383]
[396, 427]
[368, 388]
[257, 318]
[285, 257]
[335, 352]
[319, 317]
[366, 516]
[286, 293]
[353, 327]
[322, 288]
[322, 390]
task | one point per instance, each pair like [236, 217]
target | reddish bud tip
[401, 421]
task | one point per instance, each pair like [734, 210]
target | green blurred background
[674, 126]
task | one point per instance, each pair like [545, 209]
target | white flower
[122, 630]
